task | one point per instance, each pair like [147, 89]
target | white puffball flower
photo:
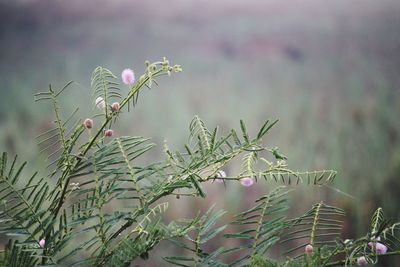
[100, 103]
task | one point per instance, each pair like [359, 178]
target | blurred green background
[329, 70]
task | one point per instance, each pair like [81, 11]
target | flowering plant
[92, 168]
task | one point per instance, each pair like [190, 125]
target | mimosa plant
[93, 169]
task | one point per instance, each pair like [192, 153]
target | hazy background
[329, 70]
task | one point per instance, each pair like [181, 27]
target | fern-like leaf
[21, 210]
[204, 230]
[58, 142]
[262, 223]
[287, 176]
[147, 233]
[391, 236]
[249, 160]
[17, 255]
[385, 231]
[199, 134]
[377, 221]
[317, 227]
[104, 84]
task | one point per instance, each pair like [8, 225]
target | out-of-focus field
[329, 70]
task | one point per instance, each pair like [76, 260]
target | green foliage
[86, 177]
[260, 261]
[203, 231]
[265, 222]
[23, 208]
[16, 255]
[104, 84]
[319, 226]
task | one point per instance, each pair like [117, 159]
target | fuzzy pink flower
[115, 107]
[42, 242]
[247, 181]
[128, 76]
[309, 249]
[362, 261]
[109, 133]
[379, 247]
[88, 123]
[100, 103]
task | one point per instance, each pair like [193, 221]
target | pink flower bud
[379, 247]
[109, 133]
[247, 181]
[100, 103]
[42, 242]
[128, 77]
[115, 107]
[309, 249]
[362, 261]
[88, 123]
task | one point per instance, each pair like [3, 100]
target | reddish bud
[88, 123]
[109, 133]
[115, 107]
[309, 249]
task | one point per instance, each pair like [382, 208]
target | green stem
[314, 225]
[66, 177]
[259, 224]
[89, 146]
